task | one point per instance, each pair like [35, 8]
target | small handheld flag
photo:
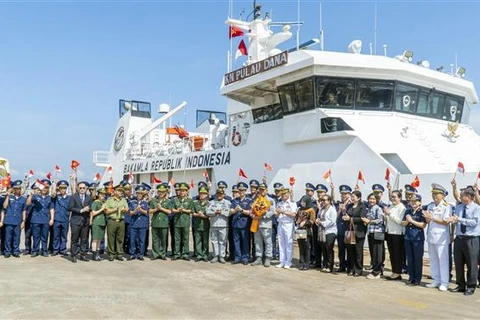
[109, 169]
[74, 165]
[416, 182]
[40, 184]
[49, 176]
[155, 179]
[292, 181]
[387, 175]
[97, 177]
[130, 177]
[57, 169]
[30, 173]
[267, 167]
[242, 174]
[327, 176]
[360, 177]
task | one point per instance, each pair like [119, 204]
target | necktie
[83, 199]
[463, 227]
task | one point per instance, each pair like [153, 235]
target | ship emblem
[119, 139]
[451, 132]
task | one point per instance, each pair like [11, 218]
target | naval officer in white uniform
[438, 237]
[286, 211]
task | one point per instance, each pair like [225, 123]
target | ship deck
[54, 288]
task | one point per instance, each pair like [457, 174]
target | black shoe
[74, 259]
[35, 254]
[131, 258]
[119, 258]
[141, 258]
[84, 258]
[469, 291]
[175, 258]
[185, 258]
[458, 289]
[397, 278]
[245, 263]
[45, 254]
[369, 268]
[340, 270]
[111, 258]
[97, 258]
[26, 252]
[198, 259]
[54, 254]
[16, 255]
[63, 253]
[163, 258]
[7, 256]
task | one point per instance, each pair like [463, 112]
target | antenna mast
[375, 31]
[298, 26]
[322, 44]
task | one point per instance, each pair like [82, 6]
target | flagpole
[230, 15]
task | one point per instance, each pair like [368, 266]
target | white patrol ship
[305, 112]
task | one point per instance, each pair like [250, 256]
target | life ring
[236, 138]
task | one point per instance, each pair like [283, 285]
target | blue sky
[64, 65]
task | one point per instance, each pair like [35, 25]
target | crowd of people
[252, 227]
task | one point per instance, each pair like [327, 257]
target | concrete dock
[55, 288]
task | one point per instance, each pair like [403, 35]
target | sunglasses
[82, 188]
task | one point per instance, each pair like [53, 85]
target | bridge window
[406, 98]
[376, 95]
[335, 92]
[453, 108]
[288, 99]
[267, 113]
[304, 91]
[430, 104]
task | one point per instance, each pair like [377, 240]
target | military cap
[234, 188]
[177, 185]
[222, 191]
[378, 188]
[321, 188]
[345, 189]
[126, 185]
[263, 186]
[93, 185]
[277, 186]
[417, 197]
[47, 182]
[34, 186]
[436, 188]
[254, 183]
[183, 186]
[16, 184]
[102, 190]
[140, 189]
[162, 188]
[410, 189]
[62, 184]
[167, 186]
[222, 184]
[106, 184]
[309, 187]
[202, 184]
[242, 186]
[118, 187]
[146, 186]
[203, 190]
[283, 190]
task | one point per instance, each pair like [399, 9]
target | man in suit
[79, 205]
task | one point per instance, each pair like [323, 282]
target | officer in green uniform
[160, 208]
[98, 222]
[201, 224]
[182, 208]
[115, 208]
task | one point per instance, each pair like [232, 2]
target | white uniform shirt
[395, 218]
[437, 233]
[287, 206]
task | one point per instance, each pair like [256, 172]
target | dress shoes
[84, 258]
[458, 289]
[35, 254]
[185, 258]
[131, 258]
[469, 292]
[141, 258]
[74, 259]
[120, 258]
[111, 258]
[54, 254]
[16, 255]
[44, 254]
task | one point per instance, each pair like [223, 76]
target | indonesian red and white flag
[74, 165]
[57, 168]
[267, 167]
[461, 168]
[291, 180]
[241, 173]
[109, 169]
[192, 184]
[130, 177]
[172, 182]
[30, 173]
[205, 175]
[416, 182]
[360, 177]
[49, 176]
[40, 184]
[155, 179]
[242, 50]
[97, 177]
[327, 176]
[387, 175]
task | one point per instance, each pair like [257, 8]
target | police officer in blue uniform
[241, 210]
[62, 217]
[230, 254]
[342, 207]
[42, 218]
[28, 225]
[2, 229]
[140, 221]
[13, 218]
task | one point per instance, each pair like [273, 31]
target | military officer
[263, 236]
[62, 216]
[115, 208]
[28, 225]
[201, 224]
[223, 185]
[378, 191]
[13, 218]
[342, 207]
[182, 208]
[231, 245]
[160, 208]
[241, 210]
[98, 221]
[42, 218]
[219, 210]
[171, 217]
[438, 237]
[2, 229]
[277, 197]
[139, 223]
[201, 184]
[409, 192]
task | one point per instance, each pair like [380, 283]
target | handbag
[379, 236]
[350, 235]
[301, 234]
